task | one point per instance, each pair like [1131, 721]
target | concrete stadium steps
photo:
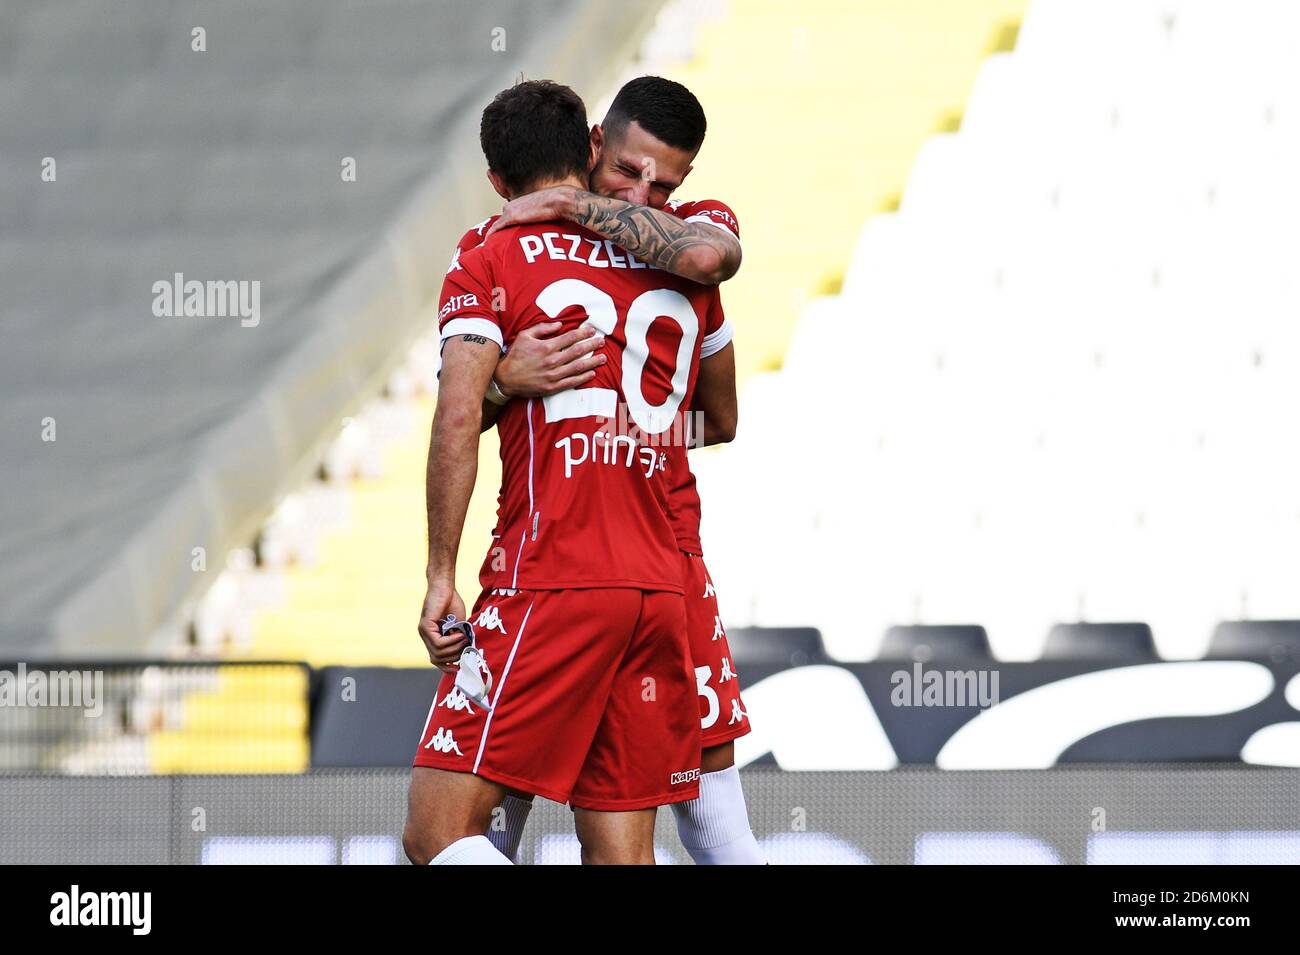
[235, 184]
[225, 165]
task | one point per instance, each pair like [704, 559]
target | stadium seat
[936, 642]
[357, 708]
[1123, 30]
[788, 646]
[1274, 640]
[1121, 642]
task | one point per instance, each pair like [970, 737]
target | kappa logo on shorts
[718, 632]
[708, 589]
[456, 700]
[737, 714]
[490, 619]
[727, 673]
[690, 776]
[443, 742]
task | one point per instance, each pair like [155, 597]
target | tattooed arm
[694, 250]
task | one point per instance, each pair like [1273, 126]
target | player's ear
[499, 185]
[687, 172]
[594, 144]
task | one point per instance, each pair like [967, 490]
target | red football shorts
[722, 712]
[592, 700]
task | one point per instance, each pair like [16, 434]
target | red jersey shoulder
[705, 210]
[472, 239]
[466, 303]
[536, 257]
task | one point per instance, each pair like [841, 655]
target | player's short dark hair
[533, 132]
[665, 109]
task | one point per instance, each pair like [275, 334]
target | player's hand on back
[440, 600]
[541, 362]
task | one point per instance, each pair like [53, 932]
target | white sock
[714, 828]
[514, 813]
[472, 850]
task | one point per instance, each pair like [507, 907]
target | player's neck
[576, 181]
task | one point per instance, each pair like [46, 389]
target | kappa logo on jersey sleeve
[443, 742]
[708, 589]
[727, 674]
[490, 619]
[718, 632]
[737, 714]
[455, 262]
[456, 700]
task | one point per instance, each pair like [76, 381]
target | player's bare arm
[715, 397]
[467, 365]
[697, 251]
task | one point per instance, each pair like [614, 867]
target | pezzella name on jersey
[620, 441]
[568, 247]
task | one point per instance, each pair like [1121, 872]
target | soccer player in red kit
[581, 624]
[646, 147]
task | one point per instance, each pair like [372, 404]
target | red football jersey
[683, 497]
[705, 210]
[583, 495]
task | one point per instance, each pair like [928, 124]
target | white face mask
[473, 678]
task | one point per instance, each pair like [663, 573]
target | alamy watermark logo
[664, 427]
[74, 907]
[194, 299]
[921, 687]
[53, 688]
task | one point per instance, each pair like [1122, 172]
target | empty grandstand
[324, 151]
[1017, 341]
[310, 164]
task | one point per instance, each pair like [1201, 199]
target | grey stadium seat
[1275, 640]
[791, 646]
[936, 642]
[1126, 642]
